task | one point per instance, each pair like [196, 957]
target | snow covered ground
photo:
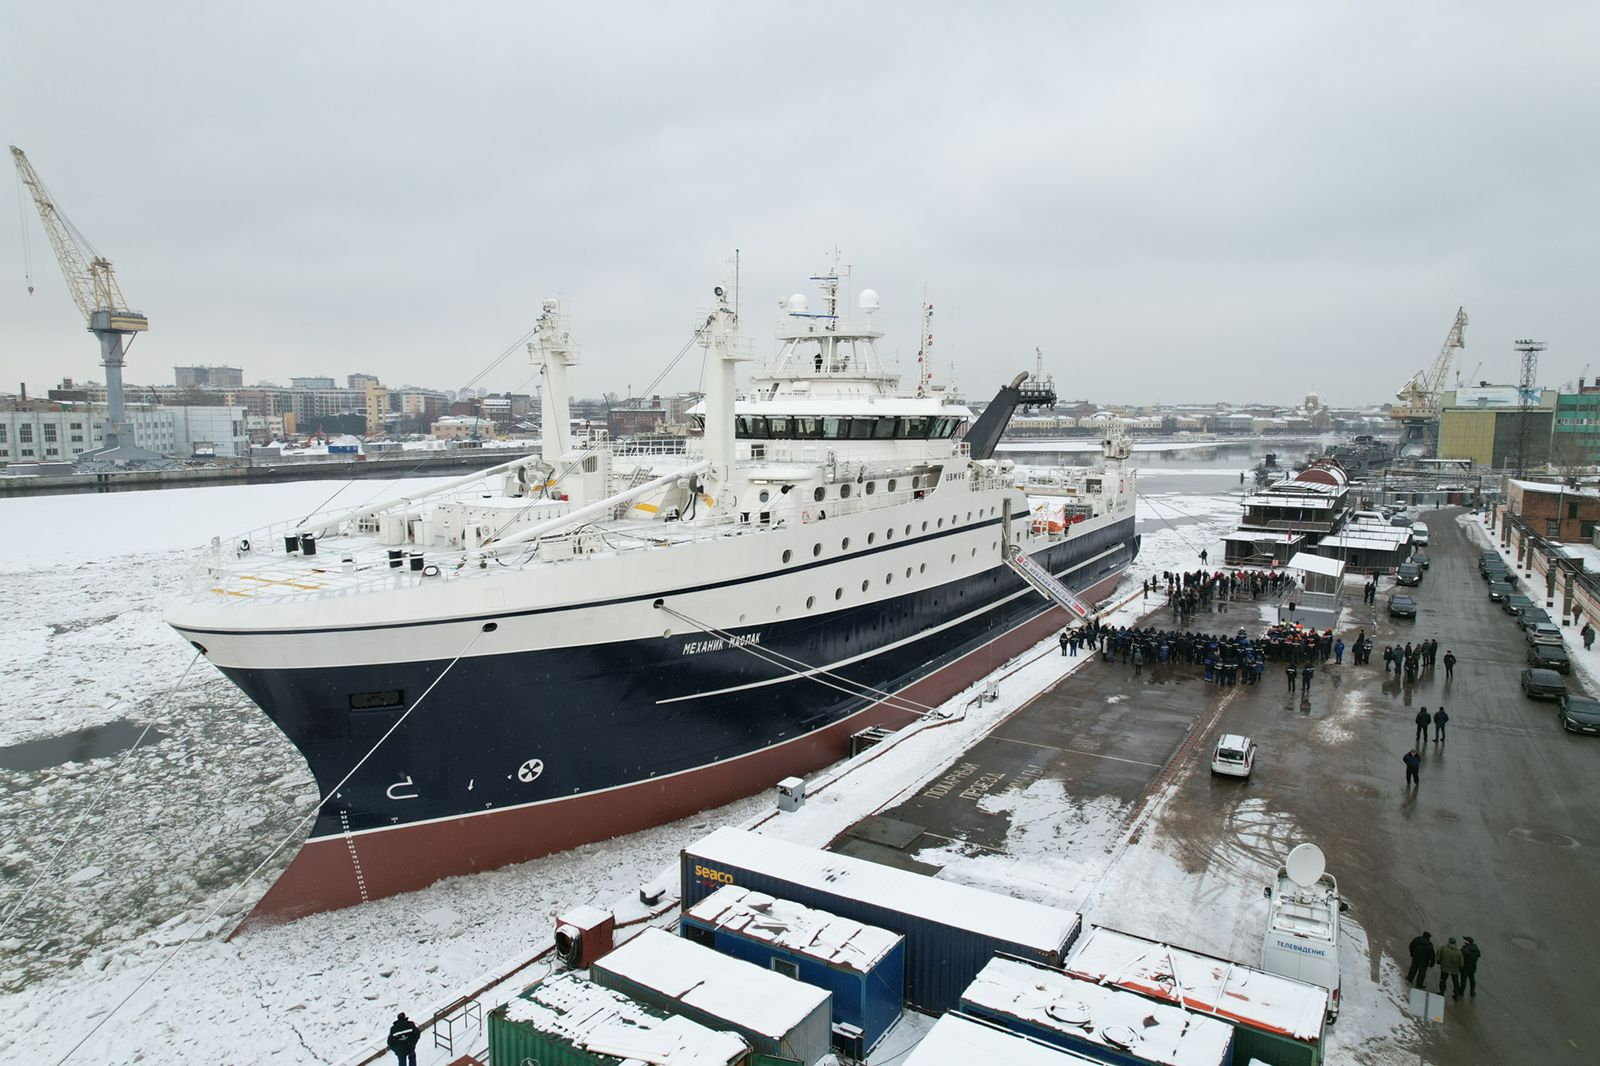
[116, 925]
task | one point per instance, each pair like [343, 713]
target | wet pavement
[1501, 840]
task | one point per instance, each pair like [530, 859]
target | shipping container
[862, 966]
[1278, 1020]
[1104, 1023]
[956, 1040]
[568, 1021]
[951, 930]
[777, 1015]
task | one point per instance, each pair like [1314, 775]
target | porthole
[908, 572]
[811, 601]
[952, 560]
[838, 594]
[969, 516]
[922, 568]
[953, 519]
[865, 585]
[816, 551]
[974, 553]
[941, 523]
[820, 494]
[871, 537]
[787, 555]
[994, 545]
[666, 634]
[765, 495]
[908, 529]
[844, 491]
[844, 545]
[872, 486]
[888, 534]
[924, 526]
[890, 487]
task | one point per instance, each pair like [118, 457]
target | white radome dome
[868, 301]
[797, 303]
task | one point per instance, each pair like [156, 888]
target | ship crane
[1421, 395]
[94, 289]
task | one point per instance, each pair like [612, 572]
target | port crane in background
[94, 289]
[1421, 396]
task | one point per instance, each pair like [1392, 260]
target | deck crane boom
[94, 289]
[1420, 397]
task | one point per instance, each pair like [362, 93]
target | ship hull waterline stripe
[743, 580]
[796, 675]
[871, 706]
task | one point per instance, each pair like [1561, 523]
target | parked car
[1408, 574]
[1420, 557]
[1542, 633]
[1516, 604]
[1543, 684]
[1579, 714]
[1499, 590]
[1234, 756]
[1402, 606]
[1400, 520]
[1498, 572]
[1549, 657]
[1419, 533]
[1487, 557]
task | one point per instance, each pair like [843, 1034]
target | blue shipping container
[951, 930]
[864, 967]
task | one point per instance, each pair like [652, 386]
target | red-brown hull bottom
[330, 873]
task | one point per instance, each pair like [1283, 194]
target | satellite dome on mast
[797, 304]
[868, 301]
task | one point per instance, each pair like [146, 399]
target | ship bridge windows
[887, 427]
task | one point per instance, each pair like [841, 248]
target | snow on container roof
[1316, 564]
[804, 930]
[1123, 1022]
[957, 1040]
[599, 1020]
[1200, 982]
[987, 913]
[758, 1000]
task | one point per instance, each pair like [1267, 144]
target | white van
[1302, 939]
[1419, 535]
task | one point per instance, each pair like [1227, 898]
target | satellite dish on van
[1305, 865]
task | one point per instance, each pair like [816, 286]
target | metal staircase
[1045, 583]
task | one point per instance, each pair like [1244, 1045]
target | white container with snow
[1101, 1022]
[776, 1014]
[957, 1040]
[1275, 1019]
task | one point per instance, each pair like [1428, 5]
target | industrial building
[1488, 424]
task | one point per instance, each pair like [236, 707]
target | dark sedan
[1420, 557]
[1549, 657]
[1516, 604]
[1579, 714]
[1543, 685]
[1402, 606]
[1499, 590]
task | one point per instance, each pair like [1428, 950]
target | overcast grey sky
[1174, 201]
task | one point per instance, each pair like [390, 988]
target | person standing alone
[403, 1037]
[1424, 720]
[1449, 665]
[1439, 721]
[1413, 763]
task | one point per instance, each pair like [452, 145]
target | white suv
[1234, 755]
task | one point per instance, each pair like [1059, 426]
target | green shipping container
[567, 1021]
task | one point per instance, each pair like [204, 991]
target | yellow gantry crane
[1420, 397]
[94, 289]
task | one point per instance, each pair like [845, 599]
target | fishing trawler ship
[583, 642]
